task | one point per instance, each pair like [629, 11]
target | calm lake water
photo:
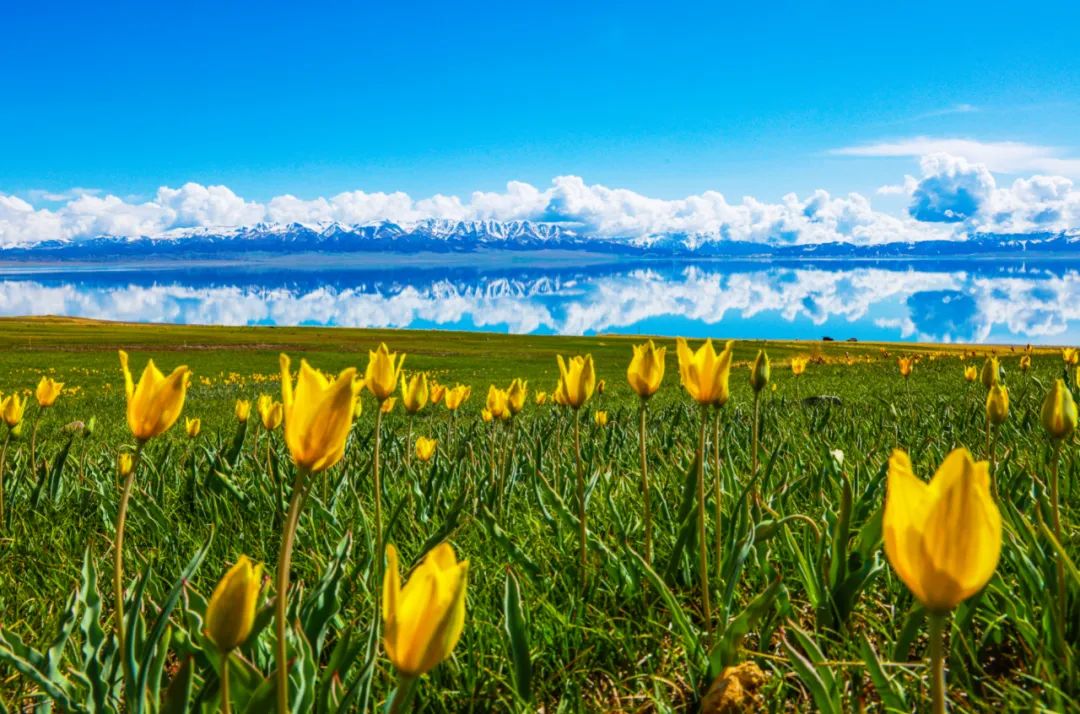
[972, 301]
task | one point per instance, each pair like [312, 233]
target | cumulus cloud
[1012, 157]
[953, 197]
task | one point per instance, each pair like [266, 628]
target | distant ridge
[438, 235]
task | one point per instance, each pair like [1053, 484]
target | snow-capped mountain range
[446, 236]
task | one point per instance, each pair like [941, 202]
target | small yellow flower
[1059, 411]
[997, 404]
[991, 372]
[318, 414]
[577, 380]
[230, 613]
[559, 395]
[515, 396]
[437, 392]
[414, 393]
[423, 620]
[486, 414]
[971, 373]
[601, 386]
[798, 365]
[760, 371]
[425, 448]
[271, 413]
[601, 418]
[383, 370]
[540, 398]
[243, 410]
[47, 392]
[906, 364]
[943, 538]
[1025, 363]
[498, 403]
[192, 427]
[125, 462]
[155, 403]
[1070, 356]
[13, 408]
[705, 373]
[388, 405]
[456, 397]
[646, 369]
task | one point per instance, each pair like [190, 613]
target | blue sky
[666, 99]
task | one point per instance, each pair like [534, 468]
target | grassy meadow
[806, 612]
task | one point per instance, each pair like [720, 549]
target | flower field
[443, 522]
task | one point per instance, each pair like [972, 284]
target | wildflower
[47, 392]
[425, 448]
[577, 380]
[705, 373]
[456, 397]
[243, 410]
[383, 370]
[997, 404]
[646, 369]
[759, 372]
[601, 418]
[192, 427]
[388, 406]
[1059, 411]
[991, 372]
[906, 364]
[798, 365]
[515, 396]
[155, 403]
[317, 415]
[230, 613]
[971, 373]
[414, 393]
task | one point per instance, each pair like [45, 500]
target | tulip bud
[997, 404]
[12, 409]
[942, 538]
[425, 448]
[515, 396]
[414, 393]
[759, 372]
[243, 410]
[1059, 411]
[383, 370]
[990, 372]
[192, 427]
[1025, 363]
[971, 373]
[601, 418]
[125, 463]
[646, 369]
[230, 613]
[423, 621]
[577, 380]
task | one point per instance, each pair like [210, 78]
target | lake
[959, 301]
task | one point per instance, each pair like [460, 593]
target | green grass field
[803, 589]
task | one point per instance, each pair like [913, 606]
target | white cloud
[1010, 157]
[953, 197]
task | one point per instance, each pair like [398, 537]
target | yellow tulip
[997, 404]
[388, 406]
[318, 414]
[760, 371]
[1070, 355]
[498, 403]
[456, 397]
[991, 372]
[271, 413]
[943, 538]
[425, 448]
[155, 403]
[383, 370]
[559, 395]
[540, 398]
[243, 410]
[486, 414]
[1025, 363]
[906, 364]
[13, 408]
[601, 418]
[1059, 411]
[577, 380]
[515, 396]
[705, 373]
[646, 369]
[971, 373]
[798, 365]
[601, 386]
[414, 393]
[437, 392]
[192, 427]
[262, 404]
[423, 621]
[230, 613]
[47, 392]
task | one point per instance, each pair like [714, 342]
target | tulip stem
[645, 483]
[703, 547]
[408, 441]
[226, 705]
[937, 660]
[296, 504]
[583, 528]
[717, 493]
[378, 500]
[118, 564]
[1055, 522]
[403, 694]
[33, 444]
[3, 465]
